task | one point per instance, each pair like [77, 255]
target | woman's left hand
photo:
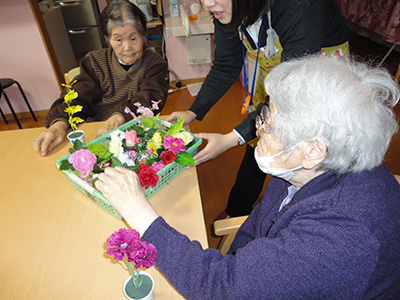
[113, 122]
[122, 188]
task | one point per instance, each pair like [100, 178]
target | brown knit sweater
[104, 87]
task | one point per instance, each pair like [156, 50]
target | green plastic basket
[166, 174]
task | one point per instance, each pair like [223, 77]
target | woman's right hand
[188, 115]
[50, 138]
[216, 145]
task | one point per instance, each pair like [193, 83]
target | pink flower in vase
[145, 257]
[123, 242]
[83, 161]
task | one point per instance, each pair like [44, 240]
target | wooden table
[52, 237]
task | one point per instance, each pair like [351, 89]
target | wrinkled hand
[122, 188]
[216, 145]
[113, 122]
[188, 115]
[50, 138]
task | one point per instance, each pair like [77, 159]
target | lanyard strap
[249, 100]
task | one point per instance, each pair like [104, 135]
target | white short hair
[347, 104]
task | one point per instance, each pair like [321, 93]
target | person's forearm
[226, 68]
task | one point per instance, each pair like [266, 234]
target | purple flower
[174, 144]
[157, 166]
[123, 242]
[145, 257]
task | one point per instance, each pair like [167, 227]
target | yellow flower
[157, 140]
[73, 109]
[74, 121]
[71, 95]
[151, 145]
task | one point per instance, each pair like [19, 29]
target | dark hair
[247, 12]
[120, 13]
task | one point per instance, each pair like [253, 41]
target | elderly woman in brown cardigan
[126, 74]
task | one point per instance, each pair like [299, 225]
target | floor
[216, 177]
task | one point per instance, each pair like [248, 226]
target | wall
[24, 58]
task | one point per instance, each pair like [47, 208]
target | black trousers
[248, 186]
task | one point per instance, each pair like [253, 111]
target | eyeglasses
[261, 118]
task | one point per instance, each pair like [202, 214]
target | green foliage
[101, 151]
[65, 165]
[115, 162]
[185, 159]
[175, 128]
[150, 121]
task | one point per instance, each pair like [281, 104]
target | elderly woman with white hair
[329, 222]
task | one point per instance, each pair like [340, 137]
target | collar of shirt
[291, 191]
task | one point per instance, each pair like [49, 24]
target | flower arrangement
[125, 245]
[142, 148]
[72, 109]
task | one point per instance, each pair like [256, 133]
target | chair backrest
[227, 228]
[71, 74]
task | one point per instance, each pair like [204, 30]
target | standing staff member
[272, 31]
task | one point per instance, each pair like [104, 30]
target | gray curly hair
[347, 104]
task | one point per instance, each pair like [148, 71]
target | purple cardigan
[338, 238]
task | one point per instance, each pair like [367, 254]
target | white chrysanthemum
[115, 145]
[187, 137]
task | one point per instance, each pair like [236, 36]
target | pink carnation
[157, 166]
[123, 242]
[82, 160]
[145, 257]
[174, 144]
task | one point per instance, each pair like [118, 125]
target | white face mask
[264, 165]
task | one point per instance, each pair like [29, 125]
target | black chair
[5, 83]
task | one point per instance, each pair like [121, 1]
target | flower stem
[136, 277]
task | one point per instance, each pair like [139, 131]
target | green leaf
[101, 151]
[185, 159]
[133, 168]
[150, 161]
[175, 128]
[97, 169]
[115, 162]
[65, 165]
[78, 145]
[150, 121]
